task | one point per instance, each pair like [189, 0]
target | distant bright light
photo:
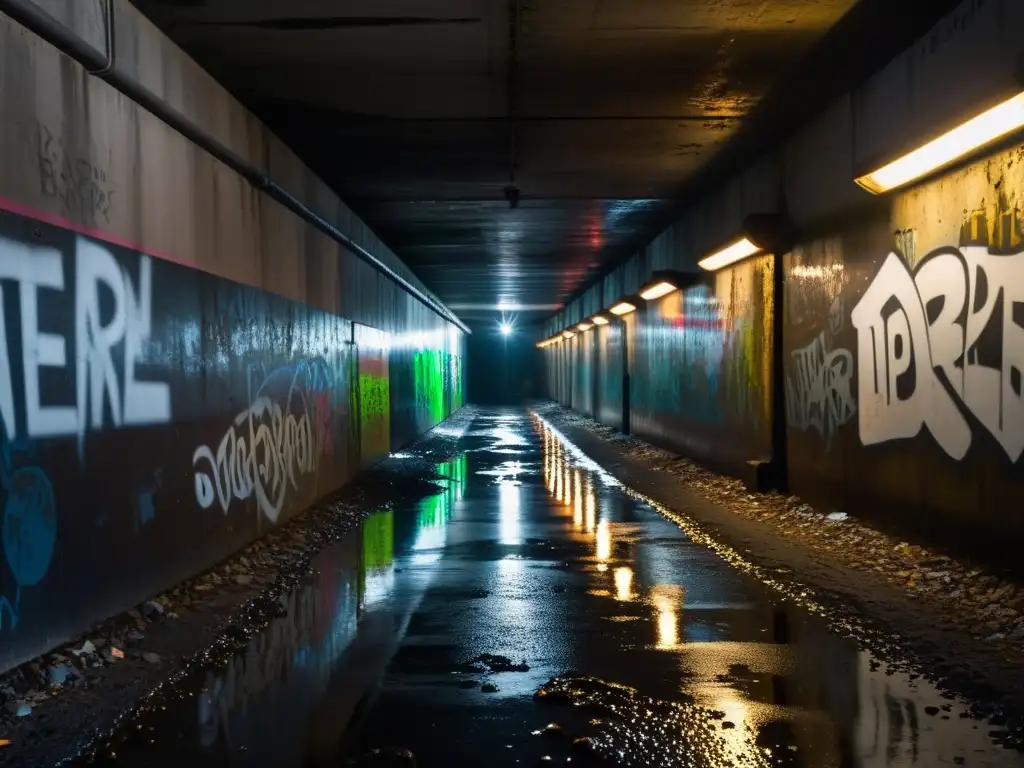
[506, 329]
[600, 320]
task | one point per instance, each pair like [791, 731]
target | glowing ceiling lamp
[567, 334]
[599, 320]
[585, 326]
[732, 253]
[769, 232]
[657, 290]
[991, 125]
[622, 308]
[665, 281]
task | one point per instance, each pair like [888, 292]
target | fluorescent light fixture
[567, 334]
[585, 326]
[622, 308]
[506, 329]
[983, 129]
[737, 251]
[657, 290]
[599, 320]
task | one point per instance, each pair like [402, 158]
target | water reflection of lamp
[591, 513]
[604, 540]
[668, 601]
[624, 584]
[577, 512]
[568, 488]
[508, 500]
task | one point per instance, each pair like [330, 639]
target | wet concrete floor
[435, 627]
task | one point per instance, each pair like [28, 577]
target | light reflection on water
[792, 692]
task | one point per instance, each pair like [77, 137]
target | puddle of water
[286, 698]
[758, 681]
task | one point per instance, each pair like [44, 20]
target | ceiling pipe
[101, 65]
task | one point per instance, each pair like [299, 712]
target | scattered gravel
[978, 601]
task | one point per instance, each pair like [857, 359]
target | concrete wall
[184, 364]
[903, 339]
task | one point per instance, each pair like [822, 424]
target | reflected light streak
[591, 514]
[604, 540]
[668, 602]
[508, 501]
[624, 584]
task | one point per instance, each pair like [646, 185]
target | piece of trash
[59, 673]
[117, 653]
[5, 742]
[87, 647]
[836, 517]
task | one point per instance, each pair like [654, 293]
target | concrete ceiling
[419, 113]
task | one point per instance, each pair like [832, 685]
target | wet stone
[489, 688]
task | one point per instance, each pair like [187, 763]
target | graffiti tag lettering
[949, 334]
[271, 445]
[819, 394]
[81, 187]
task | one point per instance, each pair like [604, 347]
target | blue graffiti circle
[30, 525]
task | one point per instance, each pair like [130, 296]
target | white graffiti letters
[267, 450]
[956, 315]
[97, 383]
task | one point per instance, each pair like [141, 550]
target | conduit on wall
[101, 65]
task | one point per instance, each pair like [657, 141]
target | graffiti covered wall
[149, 432]
[700, 379]
[905, 356]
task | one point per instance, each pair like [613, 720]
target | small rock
[134, 614]
[243, 579]
[931, 711]
[995, 636]
[151, 658]
[836, 517]
[134, 637]
[152, 608]
[489, 688]
[728, 724]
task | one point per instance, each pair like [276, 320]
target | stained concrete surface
[434, 628]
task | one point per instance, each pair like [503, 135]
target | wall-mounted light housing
[585, 326]
[735, 251]
[990, 126]
[665, 281]
[600, 320]
[622, 308]
[567, 334]
[768, 232]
